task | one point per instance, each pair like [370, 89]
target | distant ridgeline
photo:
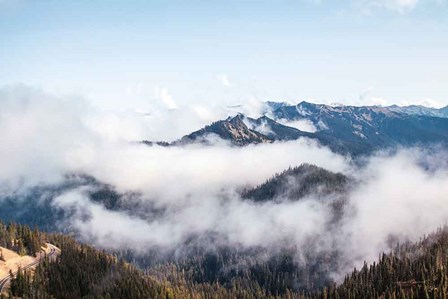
[345, 129]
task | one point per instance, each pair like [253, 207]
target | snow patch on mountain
[302, 111]
[321, 125]
[360, 134]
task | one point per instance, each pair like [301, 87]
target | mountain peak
[237, 119]
[232, 128]
[305, 103]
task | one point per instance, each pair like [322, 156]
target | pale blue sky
[229, 51]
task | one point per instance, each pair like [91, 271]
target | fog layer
[398, 196]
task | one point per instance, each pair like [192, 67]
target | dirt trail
[13, 261]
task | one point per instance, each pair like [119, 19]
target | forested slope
[81, 271]
[298, 182]
[412, 270]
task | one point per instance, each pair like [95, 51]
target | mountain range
[354, 130]
[192, 270]
[421, 110]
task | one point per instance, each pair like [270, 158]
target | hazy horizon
[135, 54]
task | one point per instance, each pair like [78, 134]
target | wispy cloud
[369, 7]
[167, 99]
[398, 6]
[224, 80]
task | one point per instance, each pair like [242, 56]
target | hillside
[81, 271]
[299, 182]
[412, 270]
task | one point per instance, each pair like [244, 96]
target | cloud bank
[393, 197]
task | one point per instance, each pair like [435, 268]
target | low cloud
[397, 197]
[196, 188]
[302, 124]
[394, 198]
[166, 98]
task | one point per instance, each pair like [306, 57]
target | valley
[292, 257]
